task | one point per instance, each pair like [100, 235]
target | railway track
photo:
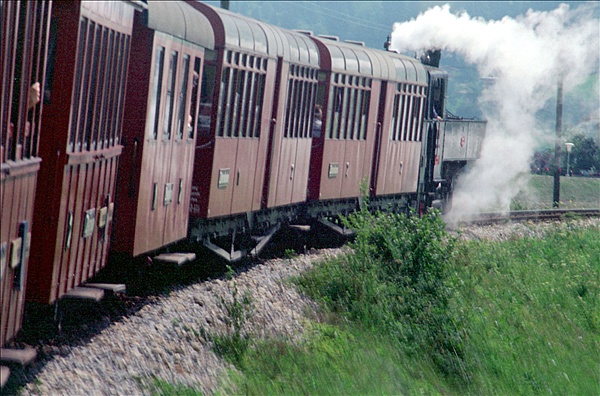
[529, 215]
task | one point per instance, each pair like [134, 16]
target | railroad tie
[4, 374]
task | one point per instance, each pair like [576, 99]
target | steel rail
[529, 215]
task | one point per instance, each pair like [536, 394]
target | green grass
[575, 192]
[519, 317]
[336, 360]
[533, 313]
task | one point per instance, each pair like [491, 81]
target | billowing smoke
[525, 56]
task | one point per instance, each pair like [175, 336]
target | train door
[304, 118]
[358, 135]
[169, 144]
[290, 157]
[333, 145]
[252, 101]
[178, 183]
[241, 123]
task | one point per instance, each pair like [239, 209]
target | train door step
[300, 227]
[19, 356]
[175, 258]
[85, 293]
[4, 374]
[108, 287]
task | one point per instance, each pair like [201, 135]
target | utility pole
[558, 144]
[225, 4]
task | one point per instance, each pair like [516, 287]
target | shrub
[397, 282]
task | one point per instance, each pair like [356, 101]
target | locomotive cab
[452, 144]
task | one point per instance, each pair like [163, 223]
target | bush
[397, 282]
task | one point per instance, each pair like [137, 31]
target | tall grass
[533, 311]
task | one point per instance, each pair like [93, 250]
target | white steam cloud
[525, 56]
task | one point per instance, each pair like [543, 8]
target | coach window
[49, 81]
[104, 127]
[258, 100]
[19, 100]
[209, 79]
[308, 107]
[240, 102]
[88, 111]
[121, 71]
[170, 96]
[80, 91]
[312, 107]
[352, 110]
[195, 98]
[320, 89]
[246, 102]
[223, 106]
[364, 113]
[183, 121]
[249, 101]
[417, 113]
[100, 90]
[296, 104]
[299, 91]
[405, 107]
[288, 111]
[235, 99]
[421, 109]
[395, 118]
[415, 116]
[360, 91]
[400, 109]
[438, 92]
[338, 99]
[302, 103]
[157, 90]
[409, 113]
[232, 102]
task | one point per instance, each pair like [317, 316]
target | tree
[585, 154]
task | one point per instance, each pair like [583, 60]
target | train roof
[215, 28]
[354, 58]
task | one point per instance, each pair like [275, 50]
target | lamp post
[569, 146]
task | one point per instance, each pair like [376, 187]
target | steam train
[129, 126]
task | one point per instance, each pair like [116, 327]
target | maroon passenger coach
[81, 145]
[23, 50]
[159, 133]
[255, 124]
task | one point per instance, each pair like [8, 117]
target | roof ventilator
[306, 32]
[333, 38]
[361, 43]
